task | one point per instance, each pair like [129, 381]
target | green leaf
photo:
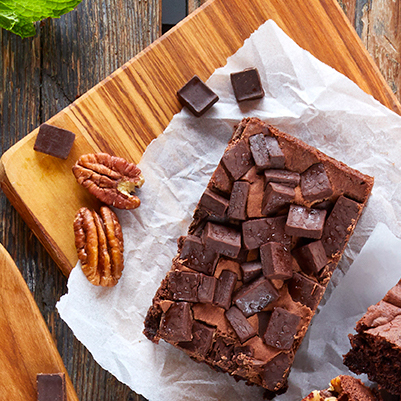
[18, 16]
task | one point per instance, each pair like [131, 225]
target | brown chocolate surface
[247, 85]
[51, 387]
[54, 141]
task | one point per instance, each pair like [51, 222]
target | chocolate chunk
[197, 257]
[238, 200]
[221, 181]
[54, 141]
[276, 261]
[176, 323]
[224, 240]
[222, 354]
[213, 203]
[305, 222]
[260, 152]
[339, 225]
[202, 337]
[253, 297]
[277, 159]
[315, 184]
[247, 85]
[311, 257]
[197, 96]
[259, 231]
[224, 289]
[250, 270]
[285, 177]
[206, 289]
[305, 290]
[184, 285]
[275, 197]
[237, 159]
[276, 371]
[240, 325]
[282, 328]
[51, 387]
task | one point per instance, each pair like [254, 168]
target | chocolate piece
[311, 257]
[276, 372]
[54, 141]
[176, 323]
[315, 184]
[305, 290]
[224, 240]
[221, 181]
[238, 200]
[206, 289]
[237, 159]
[197, 257]
[240, 325]
[184, 285]
[340, 225]
[222, 354]
[305, 222]
[224, 289]
[275, 197]
[51, 387]
[277, 158]
[285, 177]
[213, 203]
[253, 297]
[259, 231]
[282, 328]
[276, 261]
[202, 337]
[250, 270]
[260, 152]
[247, 85]
[197, 96]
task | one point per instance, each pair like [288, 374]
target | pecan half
[100, 245]
[111, 179]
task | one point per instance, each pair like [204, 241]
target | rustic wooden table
[44, 74]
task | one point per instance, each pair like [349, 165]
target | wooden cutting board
[27, 347]
[123, 113]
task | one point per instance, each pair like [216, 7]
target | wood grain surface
[42, 75]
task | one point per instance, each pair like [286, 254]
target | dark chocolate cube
[276, 371]
[184, 285]
[224, 289]
[282, 328]
[197, 96]
[238, 200]
[305, 290]
[250, 270]
[247, 85]
[311, 257]
[176, 323]
[54, 141]
[285, 177]
[221, 181]
[315, 184]
[277, 159]
[276, 261]
[237, 159]
[213, 203]
[222, 239]
[276, 196]
[51, 387]
[260, 153]
[202, 337]
[239, 323]
[206, 289]
[305, 222]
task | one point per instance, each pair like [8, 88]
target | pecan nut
[100, 245]
[111, 179]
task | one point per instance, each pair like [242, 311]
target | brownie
[257, 258]
[376, 348]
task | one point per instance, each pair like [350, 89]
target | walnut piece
[111, 179]
[100, 245]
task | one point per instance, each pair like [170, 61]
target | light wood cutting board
[26, 345]
[123, 113]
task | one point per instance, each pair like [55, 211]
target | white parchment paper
[304, 97]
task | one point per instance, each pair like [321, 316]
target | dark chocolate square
[260, 152]
[214, 203]
[247, 85]
[315, 184]
[237, 159]
[176, 323]
[51, 387]
[224, 240]
[250, 270]
[276, 196]
[206, 289]
[202, 337]
[184, 285]
[277, 158]
[305, 222]
[238, 200]
[276, 261]
[305, 290]
[311, 257]
[224, 289]
[54, 141]
[240, 325]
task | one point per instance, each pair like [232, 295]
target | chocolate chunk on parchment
[240, 325]
[54, 141]
[184, 285]
[51, 387]
[176, 323]
[315, 184]
[305, 222]
[276, 261]
[246, 84]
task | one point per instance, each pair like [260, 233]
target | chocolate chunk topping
[238, 159]
[276, 371]
[285, 177]
[202, 337]
[176, 323]
[315, 184]
[259, 231]
[238, 200]
[184, 285]
[305, 290]
[282, 328]
[213, 203]
[224, 289]
[206, 289]
[221, 181]
[197, 257]
[311, 257]
[51, 387]
[275, 197]
[340, 225]
[305, 222]
[250, 270]
[197, 96]
[224, 240]
[222, 354]
[240, 325]
[277, 159]
[276, 261]
[247, 85]
[54, 141]
[260, 152]
[253, 297]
